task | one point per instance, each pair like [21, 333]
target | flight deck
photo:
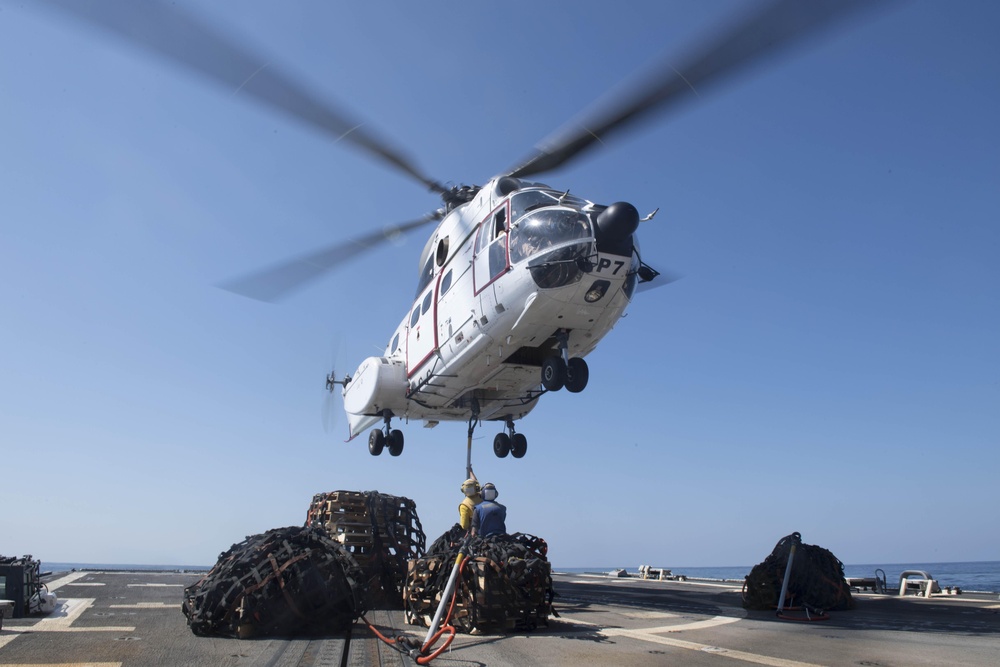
[133, 618]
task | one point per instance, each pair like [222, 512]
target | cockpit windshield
[546, 228]
[530, 200]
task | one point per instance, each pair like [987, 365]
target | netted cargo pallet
[382, 532]
[505, 583]
[287, 581]
[816, 580]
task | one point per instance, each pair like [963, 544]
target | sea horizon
[972, 576]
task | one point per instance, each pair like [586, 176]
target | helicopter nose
[615, 226]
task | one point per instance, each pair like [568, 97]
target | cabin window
[427, 302]
[446, 282]
[395, 344]
[426, 274]
[414, 317]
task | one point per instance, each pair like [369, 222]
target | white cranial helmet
[490, 492]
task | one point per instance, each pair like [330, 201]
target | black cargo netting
[382, 532]
[505, 583]
[288, 581]
[816, 580]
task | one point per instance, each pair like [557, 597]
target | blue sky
[828, 363]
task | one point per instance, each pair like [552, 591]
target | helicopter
[519, 281]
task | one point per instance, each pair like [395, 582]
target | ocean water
[66, 567]
[983, 576]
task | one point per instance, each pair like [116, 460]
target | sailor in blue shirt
[489, 517]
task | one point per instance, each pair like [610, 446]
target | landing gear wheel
[553, 373]
[395, 442]
[376, 441]
[518, 445]
[577, 375]
[501, 445]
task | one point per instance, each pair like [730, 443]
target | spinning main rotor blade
[775, 27]
[273, 283]
[183, 40]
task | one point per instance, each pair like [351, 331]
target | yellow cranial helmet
[470, 487]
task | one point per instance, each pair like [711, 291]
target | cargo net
[816, 581]
[382, 532]
[505, 583]
[288, 581]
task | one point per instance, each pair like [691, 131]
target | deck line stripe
[67, 664]
[62, 581]
[707, 648]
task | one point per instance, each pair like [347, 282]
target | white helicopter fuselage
[508, 279]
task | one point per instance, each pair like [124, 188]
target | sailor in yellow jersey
[470, 488]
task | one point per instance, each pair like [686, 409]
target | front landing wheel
[376, 441]
[577, 375]
[395, 442]
[501, 445]
[518, 445]
[553, 373]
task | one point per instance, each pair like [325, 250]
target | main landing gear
[385, 437]
[560, 370]
[505, 442]
[510, 442]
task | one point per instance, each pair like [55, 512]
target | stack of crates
[382, 532]
[344, 515]
[505, 585]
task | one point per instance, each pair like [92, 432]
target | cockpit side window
[484, 237]
[499, 223]
[498, 247]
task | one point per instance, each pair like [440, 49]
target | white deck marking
[696, 625]
[649, 614]
[62, 581]
[146, 605]
[85, 583]
[60, 620]
[644, 635]
[156, 585]
[653, 635]
[67, 664]
[68, 611]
